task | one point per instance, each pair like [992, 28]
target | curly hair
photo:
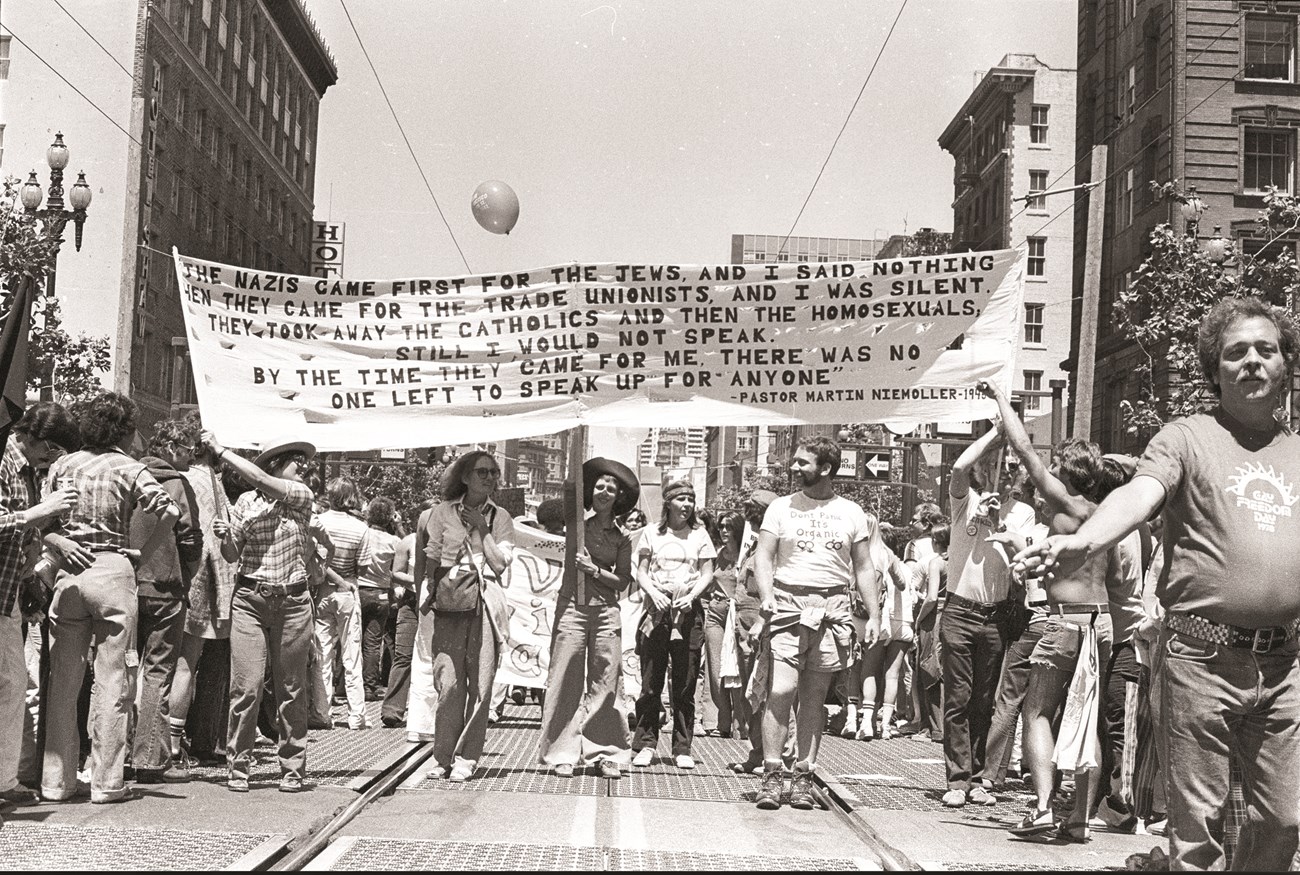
[173, 432]
[107, 420]
[1225, 314]
[453, 482]
[824, 450]
[381, 514]
[50, 421]
[1079, 465]
[929, 515]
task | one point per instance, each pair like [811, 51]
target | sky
[648, 132]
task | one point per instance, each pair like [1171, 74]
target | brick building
[1206, 94]
[221, 100]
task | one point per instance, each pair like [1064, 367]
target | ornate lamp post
[55, 218]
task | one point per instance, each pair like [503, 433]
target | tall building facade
[665, 447]
[1205, 94]
[201, 136]
[1012, 139]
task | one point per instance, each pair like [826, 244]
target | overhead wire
[111, 56]
[405, 139]
[843, 127]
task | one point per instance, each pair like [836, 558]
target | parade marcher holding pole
[271, 614]
[469, 544]
[1226, 483]
[812, 547]
[580, 723]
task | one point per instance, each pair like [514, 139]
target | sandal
[1036, 823]
[1074, 833]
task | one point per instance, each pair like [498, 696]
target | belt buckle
[266, 590]
[1255, 646]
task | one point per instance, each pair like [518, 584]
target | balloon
[495, 206]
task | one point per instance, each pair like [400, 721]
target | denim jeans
[656, 650]
[13, 696]
[338, 627]
[374, 622]
[1121, 670]
[159, 630]
[1219, 702]
[579, 721]
[399, 673]
[464, 661]
[97, 606]
[973, 641]
[274, 629]
[1008, 702]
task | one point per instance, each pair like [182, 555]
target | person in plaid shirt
[271, 616]
[97, 604]
[35, 442]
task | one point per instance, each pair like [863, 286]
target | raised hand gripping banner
[374, 364]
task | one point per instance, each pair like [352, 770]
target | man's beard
[811, 479]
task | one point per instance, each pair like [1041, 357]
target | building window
[1033, 383]
[4, 57]
[1038, 125]
[1127, 93]
[174, 193]
[1037, 256]
[1034, 323]
[2, 145]
[1037, 185]
[195, 196]
[1130, 9]
[1269, 159]
[1270, 48]
[1124, 216]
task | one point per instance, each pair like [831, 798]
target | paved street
[515, 815]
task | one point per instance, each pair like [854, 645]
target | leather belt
[1258, 640]
[273, 589]
[986, 607]
[1072, 608]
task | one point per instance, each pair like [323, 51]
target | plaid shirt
[17, 493]
[109, 485]
[273, 535]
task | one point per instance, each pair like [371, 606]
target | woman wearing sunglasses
[469, 544]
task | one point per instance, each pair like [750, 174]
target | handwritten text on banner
[367, 364]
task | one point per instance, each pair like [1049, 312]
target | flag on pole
[13, 356]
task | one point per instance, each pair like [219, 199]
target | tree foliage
[1174, 289]
[27, 251]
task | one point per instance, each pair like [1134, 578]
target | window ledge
[1036, 279]
[1266, 86]
[1036, 347]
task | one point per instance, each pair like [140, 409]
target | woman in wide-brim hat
[268, 536]
[580, 723]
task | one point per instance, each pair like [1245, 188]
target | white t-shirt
[978, 570]
[815, 538]
[674, 559]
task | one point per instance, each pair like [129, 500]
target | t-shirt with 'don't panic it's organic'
[1232, 520]
[814, 540]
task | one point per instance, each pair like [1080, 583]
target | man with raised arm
[1226, 484]
[1075, 604]
[977, 611]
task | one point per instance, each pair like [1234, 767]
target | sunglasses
[485, 473]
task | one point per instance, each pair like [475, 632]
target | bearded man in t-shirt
[813, 545]
[1225, 482]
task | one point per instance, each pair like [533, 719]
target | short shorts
[1062, 638]
[811, 649]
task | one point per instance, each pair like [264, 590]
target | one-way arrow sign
[876, 466]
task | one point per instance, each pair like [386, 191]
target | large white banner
[374, 364]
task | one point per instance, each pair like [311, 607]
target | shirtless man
[1074, 603]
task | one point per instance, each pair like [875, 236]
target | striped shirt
[109, 484]
[273, 535]
[375, 563]
[17, 493]
[346, 532]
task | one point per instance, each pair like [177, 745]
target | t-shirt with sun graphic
[1232, 525]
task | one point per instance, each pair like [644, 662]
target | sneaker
[977, 795]
[1035, 823]
[684, 761]
[1108, 818]
[393, 722]
[237, 783]
[436, 772]
[358, 723]
[850, 729]
[768, 797]
[20, 797]
[886, 732]
[801, 795]
[563, 770]
[462, 772]
[291, 784]
[517, 695]
[954, 798]
[320, 725]
[644, 757]
[610, 769]
[746, 767]
[179, 770]
[866, 732]
[419, 737]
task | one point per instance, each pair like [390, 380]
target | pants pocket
[1190, 649]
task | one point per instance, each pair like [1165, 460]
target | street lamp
[1216, 248]
[55, 217]
[1193, 208]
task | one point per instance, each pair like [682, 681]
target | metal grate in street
[1007, 866]
[334, 756]
[388, 855]
[39, 847]
[686, 861]
[711, 780]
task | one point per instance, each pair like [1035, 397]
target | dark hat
[629, 487]
[677, 487]
[763, 497]
[280, 447]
